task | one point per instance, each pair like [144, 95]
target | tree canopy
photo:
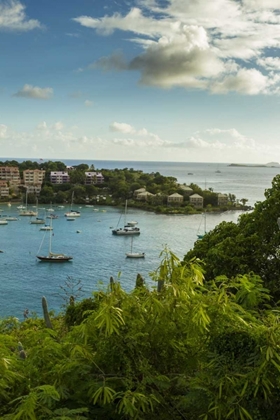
[251, 245]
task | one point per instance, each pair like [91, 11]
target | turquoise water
[97, 254]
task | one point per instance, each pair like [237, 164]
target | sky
[142, 80]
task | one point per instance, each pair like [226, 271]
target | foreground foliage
[186, 350]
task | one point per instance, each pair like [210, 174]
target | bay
[97, 254]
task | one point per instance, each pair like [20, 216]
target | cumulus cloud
[58, 126]
[42, 126]
[139, 138]
[34, 92]
[219, 140]
[220, 46]
[3, 131]
[270, 63]
[245, 81]
[13, 17]
[122, 128]
[88, 103]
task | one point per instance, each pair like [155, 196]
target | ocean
[97, 254]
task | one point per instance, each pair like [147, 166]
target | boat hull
[54, 259]
[72, 214]
[135, 255]
[123, 232]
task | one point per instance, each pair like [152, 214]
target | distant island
[267, 165]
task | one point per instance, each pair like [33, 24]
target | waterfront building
[139, 191]
[93, 178]
[197, 201]
[33, 176]
[187, 190]
[144, 196]
[4, 189]
[175, 198]
[59, 177]
[222, 200]
[10, 174]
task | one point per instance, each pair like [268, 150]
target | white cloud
[250, 82]
[220, 46]
[34, 92]
[261, 4]
[42, 126]
[139, 138]
[122, 127]
[13, 17]
[270, 63]
[220, 140]
[58, 126]
[213, 144]
[88, 103]
[3, 131]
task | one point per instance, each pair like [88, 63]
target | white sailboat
[72, 213]
[129, 227]
[51, 256]
[132, 254]
[25, 211]
[200, 235]
[37, 220]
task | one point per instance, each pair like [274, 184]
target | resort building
[222, 200]
[187, 190]
[33, 177]
[59, 177]
[93, 178]
[144, 196]
[33, 189]
[4, 189]
[10, 174]
[175, 198]
[197, 201]
[139, 191]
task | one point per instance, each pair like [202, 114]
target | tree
[243, 201]
[77, 177]
[83, 167]
[251, 245]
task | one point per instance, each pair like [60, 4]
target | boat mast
[125, 210]
[50, 244]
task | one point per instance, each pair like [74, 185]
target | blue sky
[178, 80]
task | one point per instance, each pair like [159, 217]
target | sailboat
[52, 257]
[26, 212]
[38, 220]
[132, 254]
[72, 213]
[129, 227]
[201, 235]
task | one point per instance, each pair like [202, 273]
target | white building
[59, 177]
[175, 198]
[94, 178]
[197, 201]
